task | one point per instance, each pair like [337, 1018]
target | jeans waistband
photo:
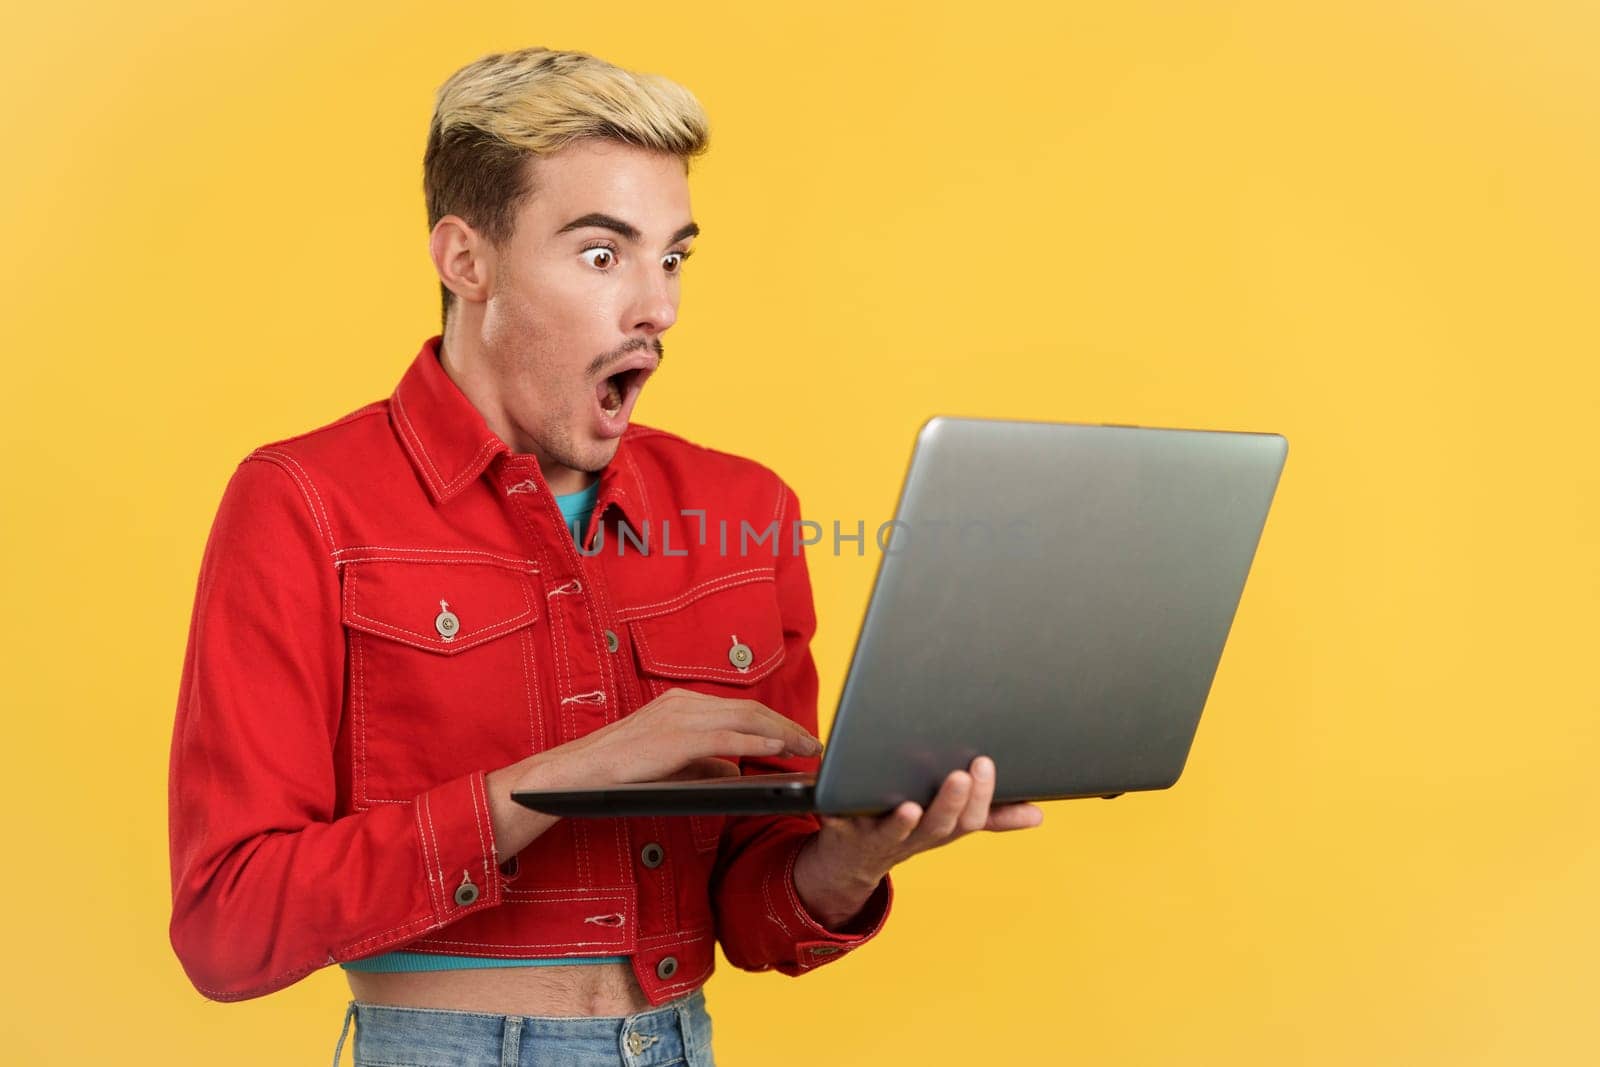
[676, 1032]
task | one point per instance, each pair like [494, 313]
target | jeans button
[651, 855]
[611, 641]
[667, 967]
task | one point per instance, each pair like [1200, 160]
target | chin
[595, 455]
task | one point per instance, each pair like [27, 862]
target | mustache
[633, 344]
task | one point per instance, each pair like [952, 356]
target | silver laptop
[1053, 595]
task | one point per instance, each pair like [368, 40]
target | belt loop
[349, 1014]
[511, 1042]
[686, 1032]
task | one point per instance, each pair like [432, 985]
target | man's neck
[461, 357]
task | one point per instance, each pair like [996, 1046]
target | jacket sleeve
[267, 884]
[761, 921]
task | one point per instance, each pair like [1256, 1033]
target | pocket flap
[445, 607]
[717, 632]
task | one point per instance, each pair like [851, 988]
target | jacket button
[611, 641]
[651, 855]
[667, 967]
[466, 892]
[739, 655]
[446, 622]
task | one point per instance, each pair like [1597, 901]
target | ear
[462, 257]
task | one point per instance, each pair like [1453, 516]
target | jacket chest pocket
[441, 677]
[723, 637]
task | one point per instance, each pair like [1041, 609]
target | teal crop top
[575, 510]
[576, 507]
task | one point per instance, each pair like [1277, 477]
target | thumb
[705, 767]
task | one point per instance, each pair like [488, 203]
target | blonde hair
[493, 116]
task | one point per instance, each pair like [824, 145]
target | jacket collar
[450, 444]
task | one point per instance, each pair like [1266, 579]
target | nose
[654, 304]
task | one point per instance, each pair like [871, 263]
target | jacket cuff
[814, 943]
[458, 847]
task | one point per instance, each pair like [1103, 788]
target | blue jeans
[677, 1034]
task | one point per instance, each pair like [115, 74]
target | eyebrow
[625, 229]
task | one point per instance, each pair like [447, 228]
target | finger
[975, 816]
[891, 828]
[897, 827]
[751, 717]
[690, 744]
[940, 821]
[1014, 817]
[800, 741]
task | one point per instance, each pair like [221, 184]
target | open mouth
[615, 395]
[614, 390]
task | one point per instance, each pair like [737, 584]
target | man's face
[580, 297]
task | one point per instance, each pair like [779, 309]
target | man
[395, 628]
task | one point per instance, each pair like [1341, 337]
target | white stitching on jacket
[273, 458]
[748, 576]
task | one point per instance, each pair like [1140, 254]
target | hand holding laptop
[838, 869]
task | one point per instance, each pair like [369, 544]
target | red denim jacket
[391, 606]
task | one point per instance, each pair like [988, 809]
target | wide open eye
[673, 261]
[599, 257]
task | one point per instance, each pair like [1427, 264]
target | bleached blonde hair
[494, 116]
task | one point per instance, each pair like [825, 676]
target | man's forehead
[649, 191]
[665, 174]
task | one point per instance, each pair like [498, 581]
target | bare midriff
[586, 989]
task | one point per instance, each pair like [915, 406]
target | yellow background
[1369, 226]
